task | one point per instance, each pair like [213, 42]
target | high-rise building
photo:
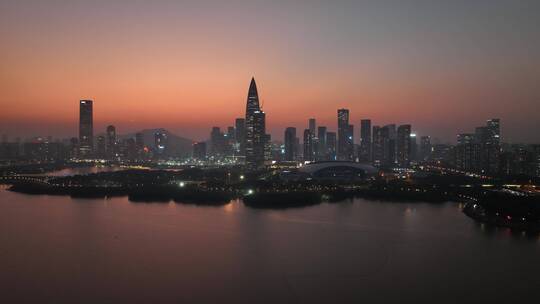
[365, 140]
[425, 148]
[308, 145]
[290, 144]
[345, 148]
[414, 147]
[390, 155]
[384, 146]
[467, 153]
[86, 128]
[322, 149]
[404, 145]
[268, 147]
[255, 129]
[377, 146]
[494, 127]
[312, 126]
[488, 137]
[331, 145]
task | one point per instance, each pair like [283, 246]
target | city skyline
[387, 63]
[87, 132]
[256, 151]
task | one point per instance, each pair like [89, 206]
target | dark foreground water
[55, 249]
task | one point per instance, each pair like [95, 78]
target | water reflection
[493, 231]
[364, 251]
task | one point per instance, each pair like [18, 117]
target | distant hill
[176, 145]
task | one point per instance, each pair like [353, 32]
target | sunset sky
[442, 66]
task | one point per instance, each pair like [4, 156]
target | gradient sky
[443, 66]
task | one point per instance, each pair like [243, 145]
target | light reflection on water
[55, 248]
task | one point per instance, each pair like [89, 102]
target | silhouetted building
[345, 147]
[443, 154]
[312, 126]
[290, 144]
[255, 129]
[365, 141]
[322, 148]
[377, 146]
[86, 128]
[384, 146]
[308, 145]
[425, 148]
[268, 147]
[414, 148]
[389, 145]
[331, 145]
[404, 145]
[467, 153]
[488, 139]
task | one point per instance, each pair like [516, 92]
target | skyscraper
[467, 152]
[322, 150]
[255, 129]
[388, 141]
[425, 148]
[308, 145]
[404, 145]
[488, 137]
[365, 140]
[290, 144]
[312, 125]
[331, 145]
[314, 140]
[86, 128]
[377, 146]
[345, 148]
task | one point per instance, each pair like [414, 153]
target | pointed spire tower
[253, 98]
[255, 129]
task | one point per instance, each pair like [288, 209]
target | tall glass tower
[86, 128]
[255, 129]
